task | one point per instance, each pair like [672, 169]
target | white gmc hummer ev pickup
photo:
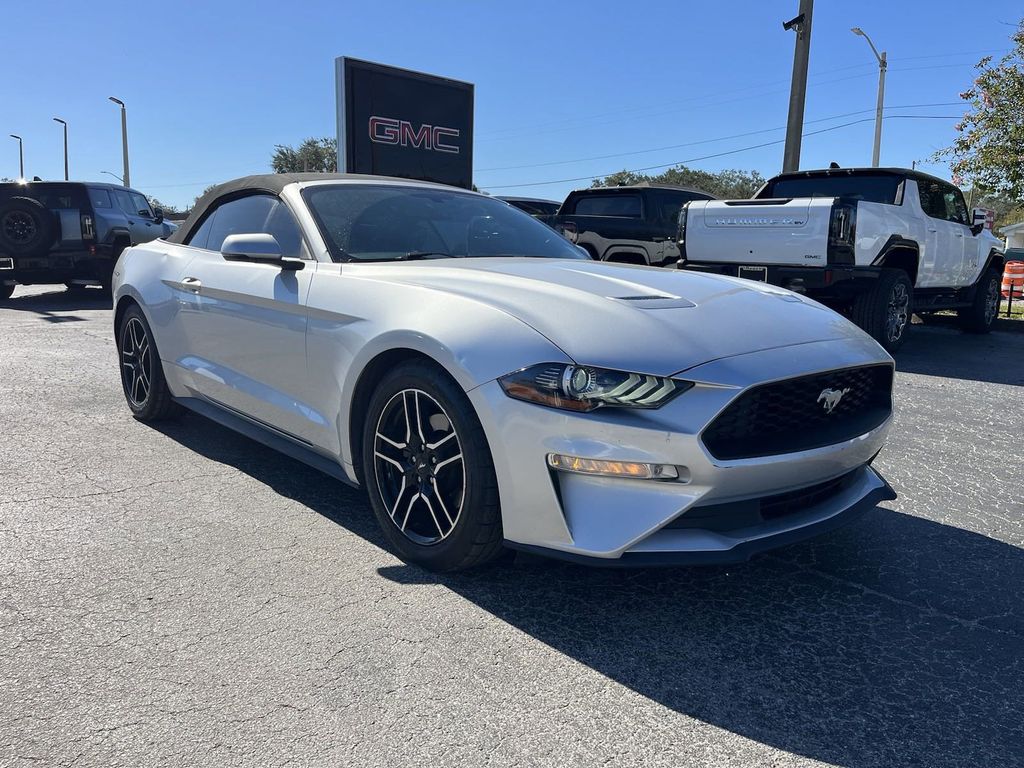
[874, 243]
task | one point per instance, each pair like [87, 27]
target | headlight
[584, 388]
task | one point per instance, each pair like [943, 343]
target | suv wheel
[26, 227]
[885, 310]
[978, 317]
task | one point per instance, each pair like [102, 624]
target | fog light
[607, 468]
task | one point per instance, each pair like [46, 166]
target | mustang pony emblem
[831, 398]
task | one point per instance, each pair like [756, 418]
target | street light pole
[883, 64]
[126, 179]
[798, 90]
[109, 173]
[21, 156]
[64, 123]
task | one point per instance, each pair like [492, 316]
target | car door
[139, 227]
[944, 237]
[244, 322]
[957, 213]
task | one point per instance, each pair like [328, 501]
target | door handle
[959, 234]
[192, 284]
[932, 230]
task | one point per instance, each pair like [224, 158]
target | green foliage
[987, 152]
[168, 209]
[312, 155]
[729, 184]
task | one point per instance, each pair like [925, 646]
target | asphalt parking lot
[184, 596]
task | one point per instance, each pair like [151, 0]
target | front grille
[734, 515]
[790, 415]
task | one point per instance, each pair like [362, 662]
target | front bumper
[629, 521]
[703, 547]
[94, 264]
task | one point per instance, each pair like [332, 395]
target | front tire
[979, 317]
[885, 310]
[142, 374]
[428, 471]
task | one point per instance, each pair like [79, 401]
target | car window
[942, 201]
[670, 203]
[870, 187]
[627, 206]
[956, 208]
[282, 225]
[199, 238]
[55, 196]
[100, 198]
[255, 214]
[392, 223]
[124, 201]
[246, 215]
[141, 204]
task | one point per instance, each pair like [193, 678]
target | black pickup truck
[631, 225]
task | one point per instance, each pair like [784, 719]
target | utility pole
[64, 123]
[21, 156]
[125, 178]
[883, 64]
[798, 90]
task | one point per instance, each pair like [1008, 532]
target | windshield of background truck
[874, 188]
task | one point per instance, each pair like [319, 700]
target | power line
[721, 154]
[510, 133]
[707, 141]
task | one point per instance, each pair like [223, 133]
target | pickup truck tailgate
[783, 232]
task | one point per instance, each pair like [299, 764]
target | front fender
[353, 322]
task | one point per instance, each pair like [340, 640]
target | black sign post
[395, 122]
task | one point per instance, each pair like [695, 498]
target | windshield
[364, 222]
[874, 188]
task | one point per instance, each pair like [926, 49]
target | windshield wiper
[416, 255]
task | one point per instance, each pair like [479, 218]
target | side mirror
[158, 215]
[981, 217]
[258, 247]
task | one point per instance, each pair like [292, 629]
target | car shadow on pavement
[895, 641]
[53, 305]
[940, 349]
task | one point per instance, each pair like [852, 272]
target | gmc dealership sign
[386, 130]
[394, 122]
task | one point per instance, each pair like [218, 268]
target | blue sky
[211, 87]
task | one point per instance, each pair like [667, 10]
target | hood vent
[654, 301]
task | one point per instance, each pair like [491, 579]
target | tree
[726, 184]
[313, 155]
[988, 151]
[168, 209]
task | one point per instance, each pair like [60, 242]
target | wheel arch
[366, 384]
[900, 253]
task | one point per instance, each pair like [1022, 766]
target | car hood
[642, 319]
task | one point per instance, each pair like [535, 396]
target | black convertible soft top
[268, 183]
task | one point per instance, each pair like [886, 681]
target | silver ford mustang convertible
[492, 387]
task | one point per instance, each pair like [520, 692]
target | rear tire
[142, 373]
[885, 310]
[428, 471]
[979, 317]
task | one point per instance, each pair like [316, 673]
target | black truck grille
[793, 415]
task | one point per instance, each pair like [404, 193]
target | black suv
[70, 232]
[634, 225]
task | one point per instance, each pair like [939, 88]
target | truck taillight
[88, 233]
[842, 232]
